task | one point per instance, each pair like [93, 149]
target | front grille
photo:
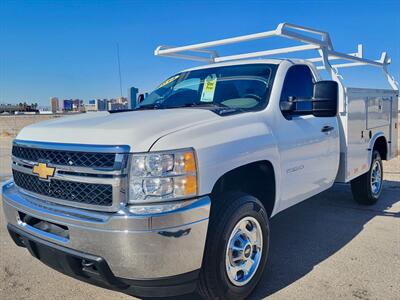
[66, 158]
[78, 192]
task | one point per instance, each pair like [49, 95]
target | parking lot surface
[327, 247]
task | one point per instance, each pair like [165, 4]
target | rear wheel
[237, 248]
[367, 188]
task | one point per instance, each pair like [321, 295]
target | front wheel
[236, 249]
[367, 188]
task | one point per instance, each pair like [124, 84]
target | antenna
[119, 70]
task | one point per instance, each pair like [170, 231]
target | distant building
[78, 105]
[45, 110]
[117, 104]
[8, 108]
[73, 105]
[102, 104]
[20, 108]
[90, 107]
[54, 104]
[67, 105]
[99, 104]
[121, 100]
[132, 97]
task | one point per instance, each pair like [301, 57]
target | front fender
[224, 145]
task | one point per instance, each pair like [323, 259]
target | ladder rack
[322, 43]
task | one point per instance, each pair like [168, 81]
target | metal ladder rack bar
[268, 52]
[164, 52]
[321, 42]
[359, 53]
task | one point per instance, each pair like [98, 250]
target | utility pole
[119, 70]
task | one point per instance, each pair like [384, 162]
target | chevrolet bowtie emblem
[43, 171]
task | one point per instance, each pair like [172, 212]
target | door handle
[327, 128]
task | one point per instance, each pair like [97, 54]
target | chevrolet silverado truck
[175, 195]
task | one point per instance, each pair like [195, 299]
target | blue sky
[68, 48]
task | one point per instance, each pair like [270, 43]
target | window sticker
[169, 80]
[210, 83]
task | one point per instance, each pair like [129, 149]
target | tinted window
[240, 86]
[298, 83]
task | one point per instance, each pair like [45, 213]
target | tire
[364, 190]
[229, 212]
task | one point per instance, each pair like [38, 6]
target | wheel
[367, 188]
[236, 249]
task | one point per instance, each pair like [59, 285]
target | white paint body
[368, 115]
[306, 161]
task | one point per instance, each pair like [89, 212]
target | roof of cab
[236, 62]
[247, 61]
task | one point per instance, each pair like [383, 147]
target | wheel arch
[256, 178]
[378, 142]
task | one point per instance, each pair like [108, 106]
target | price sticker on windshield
[169, 80]
[210, 83]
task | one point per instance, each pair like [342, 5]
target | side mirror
[325, 99]
[140, 98]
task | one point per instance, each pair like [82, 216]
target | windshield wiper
[120, 110]
[195, 104]
[149, 106]
[218, 108]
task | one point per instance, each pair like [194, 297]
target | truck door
[308, 145]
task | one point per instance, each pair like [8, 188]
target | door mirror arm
[296, 106]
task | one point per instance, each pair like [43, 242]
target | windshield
[244, 87]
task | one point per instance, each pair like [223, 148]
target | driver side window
[298, 83]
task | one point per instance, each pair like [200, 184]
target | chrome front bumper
[135, 246]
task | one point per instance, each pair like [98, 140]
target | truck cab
[175, 196]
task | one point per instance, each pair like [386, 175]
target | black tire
[227, 211]
[361, 186]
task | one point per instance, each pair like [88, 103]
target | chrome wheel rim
[244, 251]
[376, 178]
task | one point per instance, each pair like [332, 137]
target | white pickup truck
[175, 196]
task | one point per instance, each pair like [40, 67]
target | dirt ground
[327, 247]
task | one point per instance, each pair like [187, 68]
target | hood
[137, 129]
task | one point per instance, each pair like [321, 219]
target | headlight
[162, 176]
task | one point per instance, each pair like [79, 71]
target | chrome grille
[65, 158]
[80, 192]
[96, 179]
